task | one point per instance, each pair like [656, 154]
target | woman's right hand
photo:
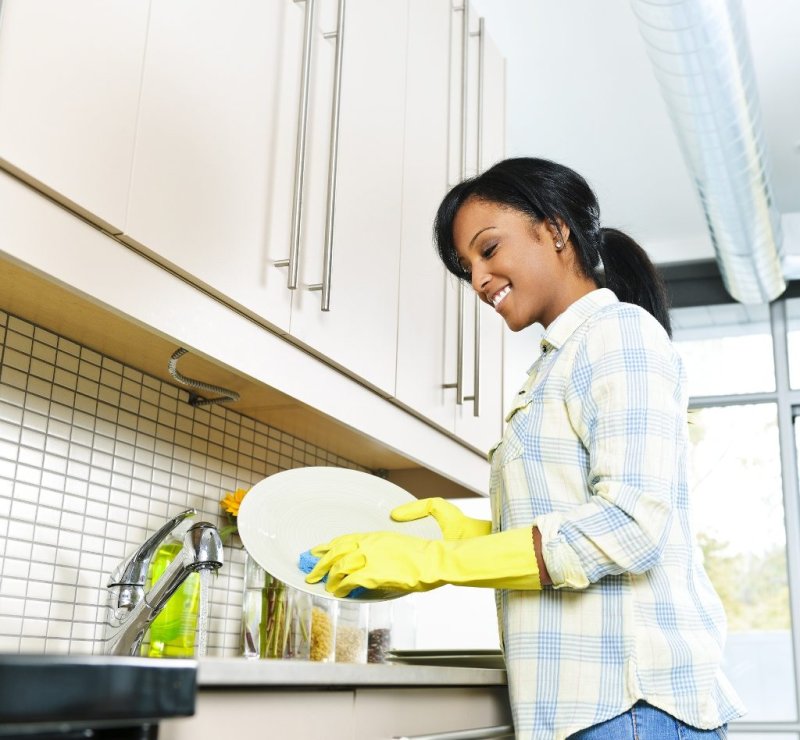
[455, 525]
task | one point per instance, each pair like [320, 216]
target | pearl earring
[559, 245]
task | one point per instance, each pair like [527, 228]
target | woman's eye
[489, 251]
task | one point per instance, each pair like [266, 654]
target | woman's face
[515, 265]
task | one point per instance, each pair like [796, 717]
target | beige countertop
[251, 673]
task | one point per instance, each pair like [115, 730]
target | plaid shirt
[595, 453]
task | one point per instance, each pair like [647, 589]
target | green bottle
[172, 634]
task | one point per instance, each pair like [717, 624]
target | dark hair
[547, 191]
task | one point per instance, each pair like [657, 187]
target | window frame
[787, 402]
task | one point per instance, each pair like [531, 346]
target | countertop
[244, 672]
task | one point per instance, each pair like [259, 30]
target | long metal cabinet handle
[465, 37]
[333, 160]
[464, 85]
[476, 395]
[459, 384]
[479, 147]
[293, 263]
[480, 733]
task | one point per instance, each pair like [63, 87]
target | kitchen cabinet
[384, 713]
[455, 127]
[362, 713]
[69, 91]
[213, 167]
[96, 291]
[174, 127]
[217, 160]
[257, 715]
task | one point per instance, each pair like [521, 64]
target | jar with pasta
[351, 632]
[323, 629]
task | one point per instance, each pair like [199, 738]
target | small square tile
[43, 351]
[20, 335]
[9, 431]
[42, 571]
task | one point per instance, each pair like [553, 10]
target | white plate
[292, 511]
[462, 658]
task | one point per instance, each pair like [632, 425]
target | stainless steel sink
[93, 695]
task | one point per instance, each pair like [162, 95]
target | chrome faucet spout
[130, 610]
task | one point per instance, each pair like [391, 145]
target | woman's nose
[480, 279]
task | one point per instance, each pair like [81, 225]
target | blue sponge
[307, 562]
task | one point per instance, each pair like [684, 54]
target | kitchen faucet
[131, 611]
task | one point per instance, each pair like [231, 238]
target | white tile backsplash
[94, 457]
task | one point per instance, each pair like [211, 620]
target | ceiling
[581, 91]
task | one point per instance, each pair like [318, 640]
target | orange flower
[232, 501]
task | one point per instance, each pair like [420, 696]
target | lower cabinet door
[261, 715]
[400, 712]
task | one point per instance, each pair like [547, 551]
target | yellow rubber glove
[455, 525]
[400, 562]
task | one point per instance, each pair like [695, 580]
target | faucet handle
[133, 571]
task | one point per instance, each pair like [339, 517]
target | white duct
[701, 57]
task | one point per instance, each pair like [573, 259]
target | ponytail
[629, 272]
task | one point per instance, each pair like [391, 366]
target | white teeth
[497, 298]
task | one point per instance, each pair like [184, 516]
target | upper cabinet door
[421, 328]
[345, 305]
[480, 421]
[449, 366]
[214, 168]
[69, 90]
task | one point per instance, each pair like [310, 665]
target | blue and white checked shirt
[595, 454]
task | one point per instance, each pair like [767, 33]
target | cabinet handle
[479, 147]
[327, 255]
[480, 733]
[464, 85]
[300, 157]
[459, 384]
[476, 396]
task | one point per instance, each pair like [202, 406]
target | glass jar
[298, 640]
[265, 613]
[379, 637]
[351, 632]
[323, 629]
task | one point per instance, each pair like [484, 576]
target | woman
[610, 626]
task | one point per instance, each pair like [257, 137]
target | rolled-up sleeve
[625, 403]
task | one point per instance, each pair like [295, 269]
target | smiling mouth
[498, 297]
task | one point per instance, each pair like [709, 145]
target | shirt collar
[566, 323]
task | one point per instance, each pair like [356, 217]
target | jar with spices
[323, 629]
[351, 632]
[379, 637]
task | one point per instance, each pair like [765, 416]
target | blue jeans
[644, 722]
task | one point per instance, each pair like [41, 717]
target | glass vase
[298, 640]
[265, 613]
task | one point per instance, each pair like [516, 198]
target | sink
[68, 695]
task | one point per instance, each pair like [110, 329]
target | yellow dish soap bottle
[172, 634]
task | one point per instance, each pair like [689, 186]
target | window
[745, 489]
[727, 349]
